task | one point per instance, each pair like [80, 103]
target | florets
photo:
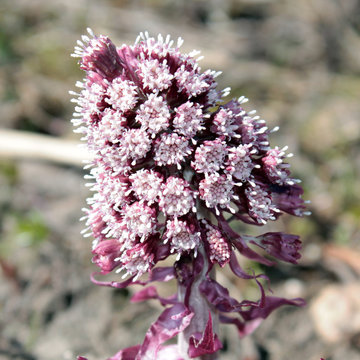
[182, 237]
[153, 115]
[168, 149]
[176, 198]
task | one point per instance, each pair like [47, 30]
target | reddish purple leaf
[172, 321]
[206, 343]
[255, 315]
[285, 247]
[126, 354]
[151, 293]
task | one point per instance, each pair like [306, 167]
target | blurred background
[299, 64]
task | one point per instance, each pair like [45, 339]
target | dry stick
[25, 145]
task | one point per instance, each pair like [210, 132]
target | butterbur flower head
[173, 164]
[135, 261]
[121, 95]
[217, 191]
[110, 128]
[155, 75]
[171, 149]
[146, 185]
[182, 237]
[209, 156]
[99, 55]
[139, 219]
[239, 164]
[135, 144]
[219, 249]
[163, 156]
[276, 170]
[176, 198]
[153, 114]
[260, 205]
[225, 123]
[188, 119]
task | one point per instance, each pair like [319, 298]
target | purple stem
[201, 307]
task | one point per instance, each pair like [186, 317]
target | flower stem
[201, 308]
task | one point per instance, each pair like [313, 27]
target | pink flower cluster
[173, 165]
